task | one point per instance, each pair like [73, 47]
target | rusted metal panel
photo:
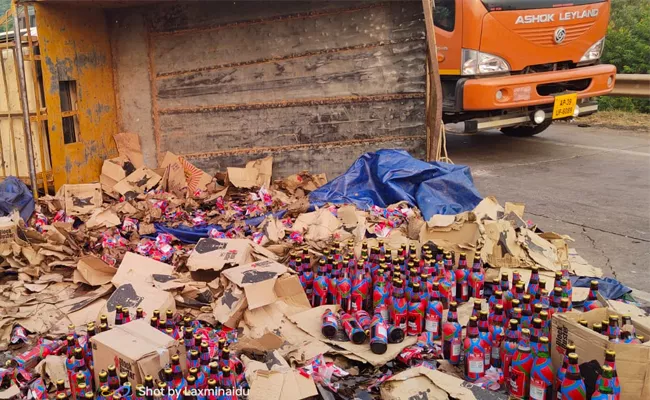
[287, 126]
[75, 46]
[184, 17]
[394, 68]
[332, 159]
[267, 40]
[315, 84]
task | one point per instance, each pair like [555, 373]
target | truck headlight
[594, 52]
[479, 63]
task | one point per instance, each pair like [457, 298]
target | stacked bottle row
[209, 362]
[623, 332]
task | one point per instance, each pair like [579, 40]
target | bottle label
[537, 389]
[431, 325]
[495, 352]
[455, 348]
[453, 291]
[465, 290]
[517, 382]
[476, 363]
[487, 358]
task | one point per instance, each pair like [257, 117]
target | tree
[628, 47]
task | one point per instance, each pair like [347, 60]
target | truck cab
[519, 65]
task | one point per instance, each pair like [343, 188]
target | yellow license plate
[565, 105]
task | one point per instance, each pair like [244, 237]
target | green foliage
[628, 47]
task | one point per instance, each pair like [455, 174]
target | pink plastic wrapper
[214, 233]
[259, 238]
[145, 247]
[198, 220]
[287, 222]
[296, 237]
[383, 378]
[163, 238]
[220, 204]
[410, 354]
[492, 380]
[112, 239]
[45, 347]
[161, 204]
[322, 372]
[265, 196]
[109, 259]
[40, 220]
[129, 225]
[19, 334]
[37, 389]
[382, 230]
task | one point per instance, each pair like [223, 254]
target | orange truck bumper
[521, 90]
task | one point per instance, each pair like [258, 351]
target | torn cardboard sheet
[141, 180]
[257, 173]
[215, 254]
[106, 218]
[229, 308]
[93, 271]
[517, 208]
[488, 208]
[425, 383]
[137, 268]
[52, 368]
[82, 198]
[258, 281]
[581, 267]
[287, 385]
[8, 228]
[128, 145]
[310, 322]
[133, 295]
[463, 240]
[318, 225]
[176, 181]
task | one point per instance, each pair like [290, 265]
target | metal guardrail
[632, 85]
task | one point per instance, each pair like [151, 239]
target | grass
[618, 120]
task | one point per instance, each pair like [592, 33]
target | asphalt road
[590, 183]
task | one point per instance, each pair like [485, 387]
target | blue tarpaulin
[15, 195]
[609, 288]
[389, 176]
[188, 234]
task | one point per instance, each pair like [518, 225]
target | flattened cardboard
[581, 267]
[464, 239]
[137, 349]
[138, 294]
[517, 208]
[257, 173]
[106, 218]
[140, 180]
[176, 176]
[289, 385]
[215, 254]
[82, 198]
[8, 229]
[258, 281]
[229, 308]
[632, 360]
[128, 145]
[94, 271]
[137, 268]
[310, 322]
[424, 383]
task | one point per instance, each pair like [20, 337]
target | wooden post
[434, 89]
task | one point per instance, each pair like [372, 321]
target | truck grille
[544, 36]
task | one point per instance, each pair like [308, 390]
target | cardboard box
[258, 281]
[140, 180]
[632, 360]
[81, 199]
[137, 268]
[138, 294]
[8, 229]
[215, 254]
[135, 348]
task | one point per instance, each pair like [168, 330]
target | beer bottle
[521, 367]
[557, 279]
[509, 348]
[224, 361]
[448, 281]
[204, 356]
[60, 388]
[168, 376]
[610, 361]
[141, 393]
[320, 286]
[113, 379]
[533, 283]
[541, 376]
[613, 329]
[561, 373]
[433, 321]
[604, 385]
[566, 293]
[627, 325]
[535, 334]
[153, 322]
[118, 315]
[495, 298]
[89, 395]
[452, 336]
[485, 337]
[526, 312]
[477, 279]
[399, 309]
[103, 380]
[330, 324]
[505, 282]
[592, 299]
[193, 361]
[378, 335]
[497, 335]
[573, 387]
[474, 352]
[126, 316]
[344, 288]
[597, 327]
[462, 280]
[178, 381]
[139, 313]
[352, 328]
[363, 318]
[227, 380]
[380, 296]
[415, 313]
[476, 310]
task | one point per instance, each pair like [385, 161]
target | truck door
[448, 22]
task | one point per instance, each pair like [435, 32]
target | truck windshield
[502, 5]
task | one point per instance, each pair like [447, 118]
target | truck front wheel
[526, 130]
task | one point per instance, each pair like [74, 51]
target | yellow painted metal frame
[75, 45]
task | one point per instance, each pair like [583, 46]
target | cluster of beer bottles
[616, 330]
[209, 362]
[402, 292]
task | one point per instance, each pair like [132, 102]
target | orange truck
[519, 65]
